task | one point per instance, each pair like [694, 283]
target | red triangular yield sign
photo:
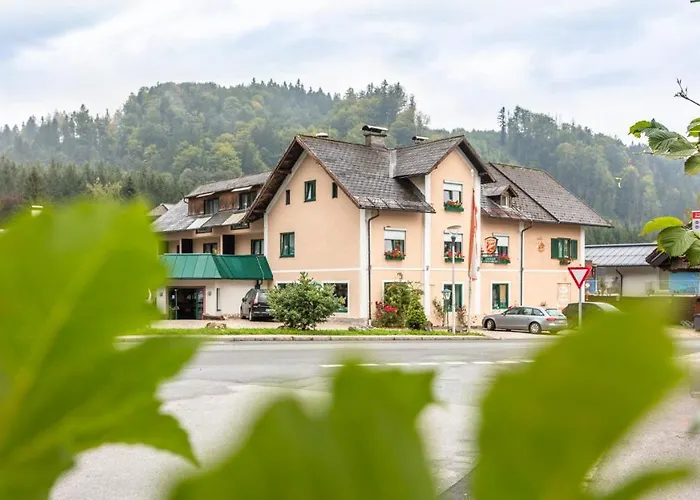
[579, 274]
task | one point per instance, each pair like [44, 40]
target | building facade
[360, 216]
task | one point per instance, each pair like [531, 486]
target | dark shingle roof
[227, 185]
[364, 172]
[625, 255]
[524, 207]
[175, 219]
[496, 189]
[541, 198]
[420, 158]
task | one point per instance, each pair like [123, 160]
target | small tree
[303, 304]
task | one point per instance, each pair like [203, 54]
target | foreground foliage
[64, 388]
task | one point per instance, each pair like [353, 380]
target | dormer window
[245, 200]
[505, 200]
[211, 206]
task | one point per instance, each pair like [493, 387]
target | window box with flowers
[503, 259]
[395, 254]
[453, 206]
[458, 256]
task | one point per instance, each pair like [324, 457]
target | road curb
[308, 338]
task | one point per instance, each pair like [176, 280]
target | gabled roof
[496, 189]
[365, 173]
[229, 184]
[177, 217]
[541, 198]
[161, 209]
[620, 255]
[423, 157]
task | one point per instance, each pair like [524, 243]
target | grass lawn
[280, 331]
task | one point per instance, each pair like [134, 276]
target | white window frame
[451, 186]
[499, 239]
[396, 231]
[447, 238]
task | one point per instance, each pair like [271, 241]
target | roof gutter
[522, 262]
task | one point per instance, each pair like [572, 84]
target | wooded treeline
[168, 138]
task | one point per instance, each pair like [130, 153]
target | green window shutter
[574, 249]
[555, 248]
[459, 302]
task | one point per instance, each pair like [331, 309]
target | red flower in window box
[459, 257]
[395, 254]
[503, 259]
[453, 206]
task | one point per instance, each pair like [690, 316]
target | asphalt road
[218, 394]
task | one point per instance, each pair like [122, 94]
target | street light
[454, 231]
[446, 293]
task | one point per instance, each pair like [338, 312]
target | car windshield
[554, 312]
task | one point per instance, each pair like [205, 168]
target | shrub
[416, 319]
[303, 304]
[399, 299]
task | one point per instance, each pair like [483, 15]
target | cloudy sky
[602, 63]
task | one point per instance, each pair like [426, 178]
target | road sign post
[579, 274]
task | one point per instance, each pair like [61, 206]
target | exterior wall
[454, 168]
[242, 241]
[546, 281]
[231, 293]
[508, 274]
[325, 233]
[636, 281]
[383, 270]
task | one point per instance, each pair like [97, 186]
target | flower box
[459, 257]
[503, 259]
[453, 206]
[394, 255]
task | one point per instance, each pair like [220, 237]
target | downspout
[522, 263]
[622, 279]
[369, 267]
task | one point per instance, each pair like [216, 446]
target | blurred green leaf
[661, 223]
[692, 165]
[546, 425]
[694, 128]
[693, 253]
[364, 446]
[79, 277]
[676, 241]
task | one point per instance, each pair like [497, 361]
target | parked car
[530, 319]
[589, 309]
[255, 306]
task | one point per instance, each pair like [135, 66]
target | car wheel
[535, 328]
[490, 324]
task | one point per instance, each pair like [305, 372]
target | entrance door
[186, 303]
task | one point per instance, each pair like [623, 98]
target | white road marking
[455, 363]
[331, 366]
[398, 364]
[508, 362]
[482, 362]
[427, 363]
[443, 363]
[369, 364]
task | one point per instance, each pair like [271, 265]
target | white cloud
[463, 60]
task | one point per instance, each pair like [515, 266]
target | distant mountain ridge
[166, 139]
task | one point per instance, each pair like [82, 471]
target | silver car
[530, 319]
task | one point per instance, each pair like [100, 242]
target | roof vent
[322, 135]
[419, 138]
[374, 136]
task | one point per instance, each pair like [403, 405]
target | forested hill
[168, 138]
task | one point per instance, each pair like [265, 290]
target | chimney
[322, 135]
[375, 136]
[418, 139]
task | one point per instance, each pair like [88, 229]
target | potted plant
[453, 206]
[458, 256]
[395, 254]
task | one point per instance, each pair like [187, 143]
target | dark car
[254, 305]
[589, 309]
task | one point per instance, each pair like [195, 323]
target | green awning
[198, 266]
